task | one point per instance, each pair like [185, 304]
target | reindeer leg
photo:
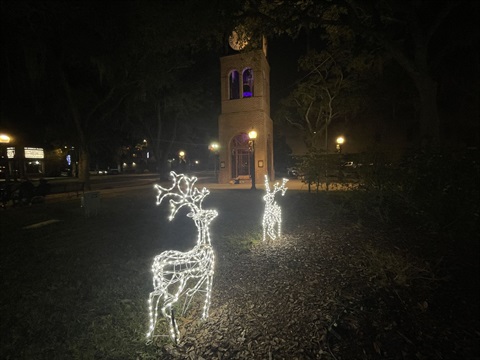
[198, 288]
[279, 222]
[188, 298]
[172, 323]
[264, 230]
[168, 314]
[153, 314]
[208, 294]
[189, 295]
[175, 327]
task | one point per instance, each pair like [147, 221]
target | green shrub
[437, 190]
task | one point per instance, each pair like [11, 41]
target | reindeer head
[270, 196]
[204, 217]
[182, 193]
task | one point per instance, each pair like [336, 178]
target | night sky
[456, 72]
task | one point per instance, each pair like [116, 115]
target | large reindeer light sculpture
[272, 217]
[179, 274]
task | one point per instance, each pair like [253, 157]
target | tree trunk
[161, 165]
[84, 158]
[84, 168]
[429, 118]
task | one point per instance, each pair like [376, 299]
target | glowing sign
[180, 275]
[33, 153]
[10, 152]
[272, 217]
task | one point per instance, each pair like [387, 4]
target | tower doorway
[241, 164]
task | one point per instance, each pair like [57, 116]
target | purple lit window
[247, 82]
[234, 85]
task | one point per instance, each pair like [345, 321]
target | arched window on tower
[234, 85]
[247, 82]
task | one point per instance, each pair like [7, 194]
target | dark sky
[282, 57]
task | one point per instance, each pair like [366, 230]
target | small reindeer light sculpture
[179, 274]
[272, 217]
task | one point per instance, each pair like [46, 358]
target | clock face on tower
[238, 40]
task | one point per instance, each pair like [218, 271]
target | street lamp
[214, 149]
[181, 161]
[340, 141]
[5, 139]
[253, 135]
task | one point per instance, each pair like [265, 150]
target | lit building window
[234, 85]
[247, 82]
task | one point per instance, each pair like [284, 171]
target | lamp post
[214, 149]
[340, 141]
[181, 161]
[253, 135]
[4, 139]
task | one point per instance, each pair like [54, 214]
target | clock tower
[245, 97]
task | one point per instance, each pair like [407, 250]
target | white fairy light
[272, 217]
[179, 274]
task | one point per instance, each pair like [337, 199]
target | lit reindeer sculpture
[272, 217]
[175, 273]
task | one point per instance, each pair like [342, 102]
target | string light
[180, 275]
[272, 217]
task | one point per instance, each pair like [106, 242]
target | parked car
[349, 164]
[113, 172]
[293, 172]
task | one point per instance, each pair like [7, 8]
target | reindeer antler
[183, 193]
[281, 188]
[276, 187]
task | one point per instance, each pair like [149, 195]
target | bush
[444, 188]
[438, 190]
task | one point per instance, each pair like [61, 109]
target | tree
[416, 34]
[91, 64]
[77, 54]
[176, 79]
[330, 90]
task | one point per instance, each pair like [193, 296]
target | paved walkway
[209, 183]
[204, 181]
[292, 184]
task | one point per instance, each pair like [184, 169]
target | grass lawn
[77, 288]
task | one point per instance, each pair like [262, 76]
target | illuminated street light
[4, 155]
[253, 135]
[214, 147]
[340, 141]
[4, 138]
[181, 160]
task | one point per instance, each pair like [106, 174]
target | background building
[245, 106]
